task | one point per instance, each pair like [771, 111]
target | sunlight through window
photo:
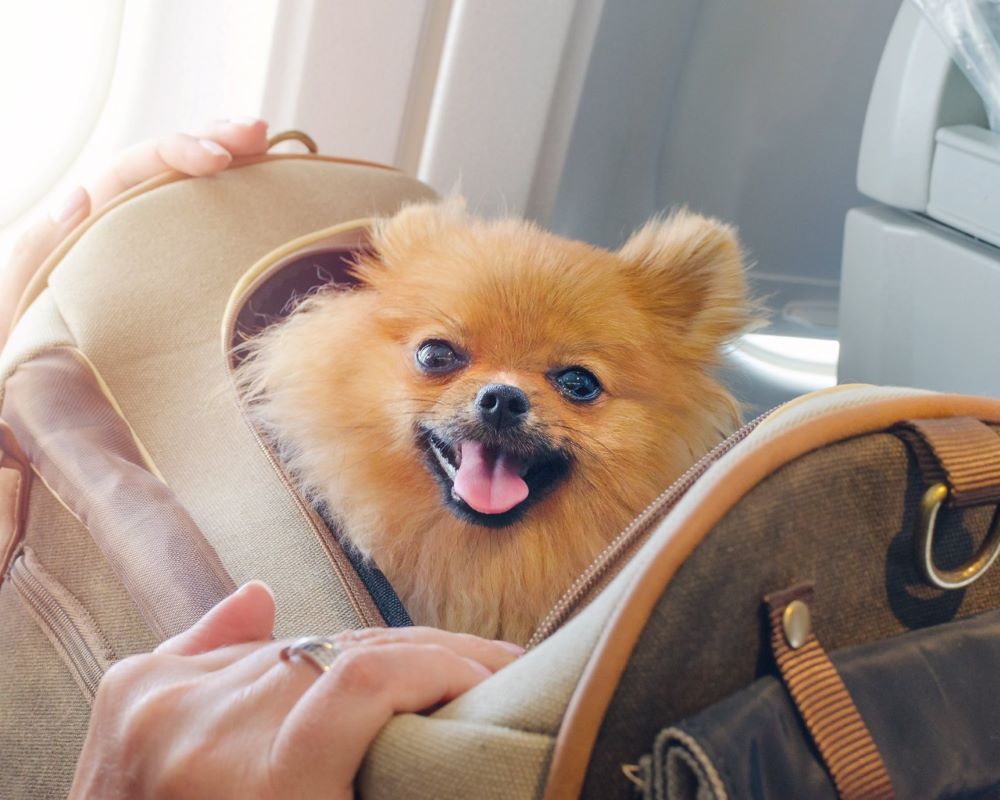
[56, 62]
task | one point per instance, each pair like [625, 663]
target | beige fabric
[40, 329]
[530, 695]
[43, 713]
[422, 759]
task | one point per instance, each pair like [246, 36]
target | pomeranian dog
[491, 404]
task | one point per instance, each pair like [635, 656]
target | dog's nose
[501, 406]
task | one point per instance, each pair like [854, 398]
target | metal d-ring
[293, 136]
[923, 541]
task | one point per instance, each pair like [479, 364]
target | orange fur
[337, 387]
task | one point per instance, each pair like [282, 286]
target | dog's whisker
[581, 441]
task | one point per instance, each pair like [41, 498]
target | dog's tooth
[442, 460]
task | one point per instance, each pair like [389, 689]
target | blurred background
[586, 115]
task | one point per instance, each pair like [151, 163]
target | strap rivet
[796, 623]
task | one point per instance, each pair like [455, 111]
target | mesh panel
[430, 759]
[84, 450]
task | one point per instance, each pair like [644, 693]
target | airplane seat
[920, 283]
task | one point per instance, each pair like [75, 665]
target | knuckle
[189, 765]
[360, 670]
[153, 709]
[124, 675]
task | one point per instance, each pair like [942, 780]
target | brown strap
[15, 483]
[968, 453]
[840, 734]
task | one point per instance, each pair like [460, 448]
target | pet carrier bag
[134, 494]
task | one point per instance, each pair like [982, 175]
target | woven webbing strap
[840, 734]
[968, 453]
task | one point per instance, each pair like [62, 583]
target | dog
[491, 403]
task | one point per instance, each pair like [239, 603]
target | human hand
[205, 154]
[215, 712]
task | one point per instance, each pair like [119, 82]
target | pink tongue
[489, 484]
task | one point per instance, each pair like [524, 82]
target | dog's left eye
[438, 357]
[577, 384]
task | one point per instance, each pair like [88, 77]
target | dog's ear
[395, 240]
[688, 270]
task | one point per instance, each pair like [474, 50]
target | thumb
[247, 615]
[33, 246]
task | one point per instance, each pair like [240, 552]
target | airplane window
[51, 96]
[809, 362]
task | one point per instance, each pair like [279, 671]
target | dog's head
[487, 379]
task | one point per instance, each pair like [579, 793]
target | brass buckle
[293, 136]
[923, 543]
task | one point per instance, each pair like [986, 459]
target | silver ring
[320, 651]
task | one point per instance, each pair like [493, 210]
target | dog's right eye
[438, 357]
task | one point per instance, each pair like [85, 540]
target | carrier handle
[960, 457]
[293, 136]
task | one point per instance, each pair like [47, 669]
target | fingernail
[256, 582]
[214, 148]
[69, 206]
[246, 122]
[517, 650]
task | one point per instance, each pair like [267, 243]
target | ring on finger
[320, 651]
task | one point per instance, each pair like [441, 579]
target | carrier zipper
[325, 539]
[66, 626]
[634, 532]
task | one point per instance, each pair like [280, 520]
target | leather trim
[15, 486]
[349, 235]
[684, 529]
[40, 278]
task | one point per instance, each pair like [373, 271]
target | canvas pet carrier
[810, 611]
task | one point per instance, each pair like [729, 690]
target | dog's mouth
[490, 485]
